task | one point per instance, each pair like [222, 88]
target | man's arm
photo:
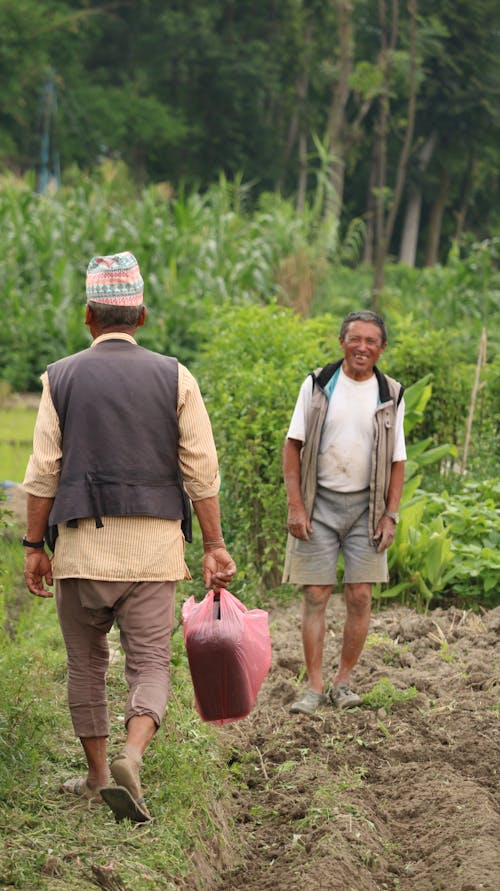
[37, 565]
[299, 524]
[396, 484]
[200, 471]
[218, 565]
[386, 528]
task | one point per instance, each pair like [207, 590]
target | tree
[411, 225]
[337, 123]
[396, 123]
[458, 109]
[386, 210]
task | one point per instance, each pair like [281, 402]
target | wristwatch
[393, 516]
[37, 545]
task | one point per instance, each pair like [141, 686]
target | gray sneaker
[343, 697]
[308, 703]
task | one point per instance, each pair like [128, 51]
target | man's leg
[145, 616]
[140, 732]
[314, 604]
[358, 608]
[363, 566]
[85, 636]
[313, 632]
[95, 752]
[126, 766]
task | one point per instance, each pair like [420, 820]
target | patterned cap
[115, 279]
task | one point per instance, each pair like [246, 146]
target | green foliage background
[251, 298]
[186, 91]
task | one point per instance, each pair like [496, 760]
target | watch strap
[37, 545]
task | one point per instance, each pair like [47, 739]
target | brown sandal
[124, 805]
[79, 786]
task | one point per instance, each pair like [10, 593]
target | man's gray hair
[363, 315]
[108, 316]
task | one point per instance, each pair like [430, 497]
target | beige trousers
[144, 613]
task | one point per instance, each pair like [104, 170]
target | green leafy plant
[383, 694]
[472, 520]
[447, 545]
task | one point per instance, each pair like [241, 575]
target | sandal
[124, 805]
[125, 772]
[80, 787]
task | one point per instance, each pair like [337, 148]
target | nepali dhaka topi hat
[115, 279]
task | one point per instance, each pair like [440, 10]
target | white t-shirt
[344, 460]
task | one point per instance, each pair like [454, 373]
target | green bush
[447, 547]
[472, 519]
[250, 375]
[417, 351]
[463, 295]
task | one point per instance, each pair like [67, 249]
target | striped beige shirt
[126, 548]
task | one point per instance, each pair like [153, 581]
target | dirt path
[401, 796]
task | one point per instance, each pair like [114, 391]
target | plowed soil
[397, 794]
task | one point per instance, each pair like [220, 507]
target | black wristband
[33, 544]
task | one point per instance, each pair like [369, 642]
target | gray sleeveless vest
[117, 409]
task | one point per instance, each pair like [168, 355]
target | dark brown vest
[117, 408]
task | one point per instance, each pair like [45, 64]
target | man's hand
[37, 567]
[218, 568]
[385, 532]
[299, 524]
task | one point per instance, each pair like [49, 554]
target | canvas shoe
[308, 703]
[343, 697]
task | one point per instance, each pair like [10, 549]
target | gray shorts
[340, 523]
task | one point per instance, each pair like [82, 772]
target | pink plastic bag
[229, 655]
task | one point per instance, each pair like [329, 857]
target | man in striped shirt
[122, 441]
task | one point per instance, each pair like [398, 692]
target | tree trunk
[297, 120]
[336, 118]
[384, 231]
[436, 220]
[302, 182]
[466, 196]
[370, 211]
[411, 225]
[381, 129]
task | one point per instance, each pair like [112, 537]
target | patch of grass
[16, 436]
[336, 742]
[287, 766]
[12, 590]
[383, 695]
[327, 801]
[445, 652]
[389, 650]
[55, 841]
[378, 640]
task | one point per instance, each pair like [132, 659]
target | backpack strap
[326, 373]
[383, 388]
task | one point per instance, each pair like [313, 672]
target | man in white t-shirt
[343, 465]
